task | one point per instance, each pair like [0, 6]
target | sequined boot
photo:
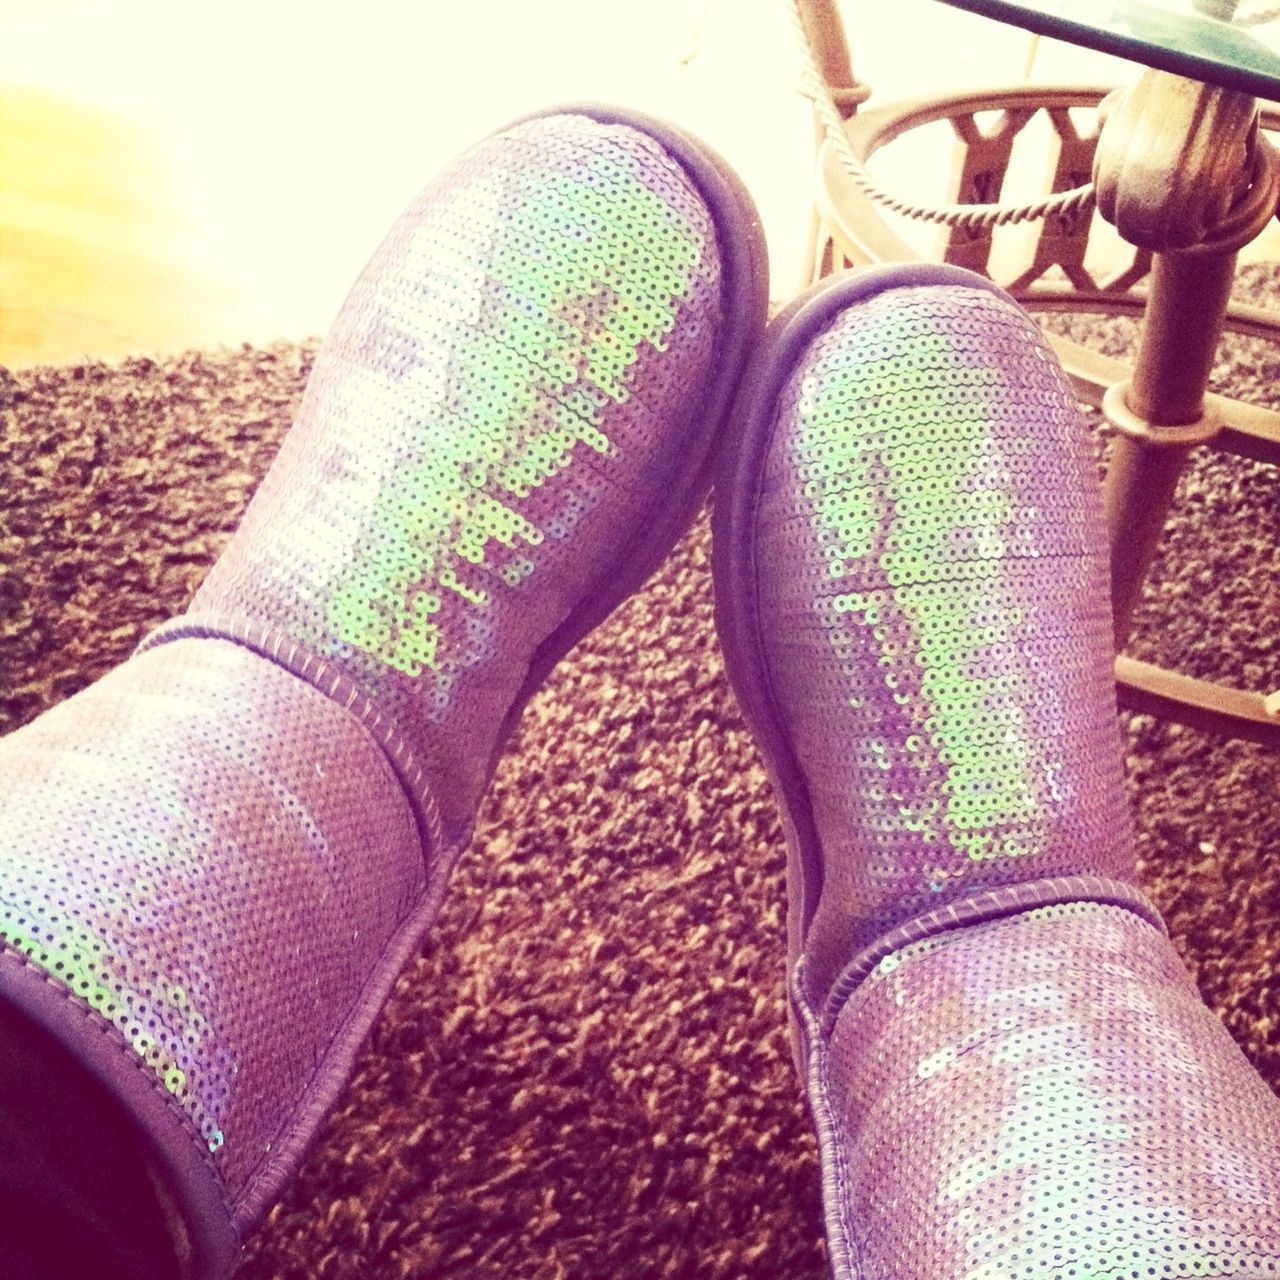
[214, 862]
[1012, 1074]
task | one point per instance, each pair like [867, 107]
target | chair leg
[1160, 418]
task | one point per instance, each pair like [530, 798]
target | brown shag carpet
[586, 1074]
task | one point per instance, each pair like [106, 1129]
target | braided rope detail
[1078, 200]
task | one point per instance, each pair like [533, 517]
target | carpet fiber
[586, 1073]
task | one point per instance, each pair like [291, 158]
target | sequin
[463, 471]
[929, 527]
[185, 866]
[1046, 1097]
[506, 400]
[1005, 1090]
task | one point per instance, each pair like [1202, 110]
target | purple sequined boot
[214, 862]
[1012, 1074]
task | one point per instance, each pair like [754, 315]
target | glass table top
[1234, 43]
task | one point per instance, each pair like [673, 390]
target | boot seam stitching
[297, 660]
[994, 904]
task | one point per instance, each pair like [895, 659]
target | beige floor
[174, 176]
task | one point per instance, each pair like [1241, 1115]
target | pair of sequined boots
[215, 861]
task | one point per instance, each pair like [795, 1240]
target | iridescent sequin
[512, 380]
[554, 346]
[1004, 1090]
[211, 849]
[1046, 1097]
[211, 855]
[932, 570]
